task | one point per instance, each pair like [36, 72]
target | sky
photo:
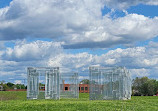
[76, 34]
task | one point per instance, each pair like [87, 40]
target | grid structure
[111, 83]
[69, 85]
[50, 77]
[1, 88]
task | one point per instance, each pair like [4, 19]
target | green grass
[16, 101]
[12, 95]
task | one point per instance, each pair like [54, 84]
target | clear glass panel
[69, 85]
[40, 90]
[109, 83]
[33, 82]
[52, 85]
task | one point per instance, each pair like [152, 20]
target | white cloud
[17, 82]
[139, 60]
[14, 61]
[83, 77]
[140, 72]
[124, 30]
[124, 4]
[79, 24]
[74, 24]
[7, 73]
[110, 61]
[142, 61]
[36, 50]
[46, 18]
[152, 2]
[134, 26]
[71, 61]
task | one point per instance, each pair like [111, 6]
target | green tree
[20, 86]
[144, 86]
[152, 88]
[5, 87]
[10, 85]
[84, 81]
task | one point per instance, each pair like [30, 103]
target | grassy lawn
[16, 101]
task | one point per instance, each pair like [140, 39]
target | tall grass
[20, 103]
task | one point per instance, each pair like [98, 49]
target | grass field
[16, 101]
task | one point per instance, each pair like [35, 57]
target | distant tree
[84, 81]
[10, 85]
[20, 86]
[152, 87]
[40, 84]
[144, 86]
[2, 83]
[5, 87]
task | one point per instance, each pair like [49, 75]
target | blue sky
[4, 3]
[75, 35]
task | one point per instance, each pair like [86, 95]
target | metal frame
[69, 80]
[52, 89]
[54, 85]
[110, 83]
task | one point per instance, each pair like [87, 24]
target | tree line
[141, 86]
[144, 86]
[9, 85]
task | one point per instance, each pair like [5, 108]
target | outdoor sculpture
[48, 83]
[109, 83]
[51, 88]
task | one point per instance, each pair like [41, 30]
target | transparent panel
[43, 83]
[109, 83]
[1, 88]
[32, 86]
[69, 85]
[52, 85]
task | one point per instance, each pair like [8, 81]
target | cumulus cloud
[74, 24]
[124, 30]
[79, 24]
[37, 50]
[73, 61]
[140, 72]
[17, 82]
[46, 18]
[124, 4]
[142, 61]
[15, 60]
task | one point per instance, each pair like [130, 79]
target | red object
[84, 88]
[66, 87]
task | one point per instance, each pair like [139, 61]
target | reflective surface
[50, 82]
[109, 83]
[69, 85]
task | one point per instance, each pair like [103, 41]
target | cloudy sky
[74, 34]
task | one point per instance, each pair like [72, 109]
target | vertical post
[28, 83]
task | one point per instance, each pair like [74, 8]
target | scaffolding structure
[1, 88]
[48, 83]
[69, 85]
[50, 78]
[111, 83]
